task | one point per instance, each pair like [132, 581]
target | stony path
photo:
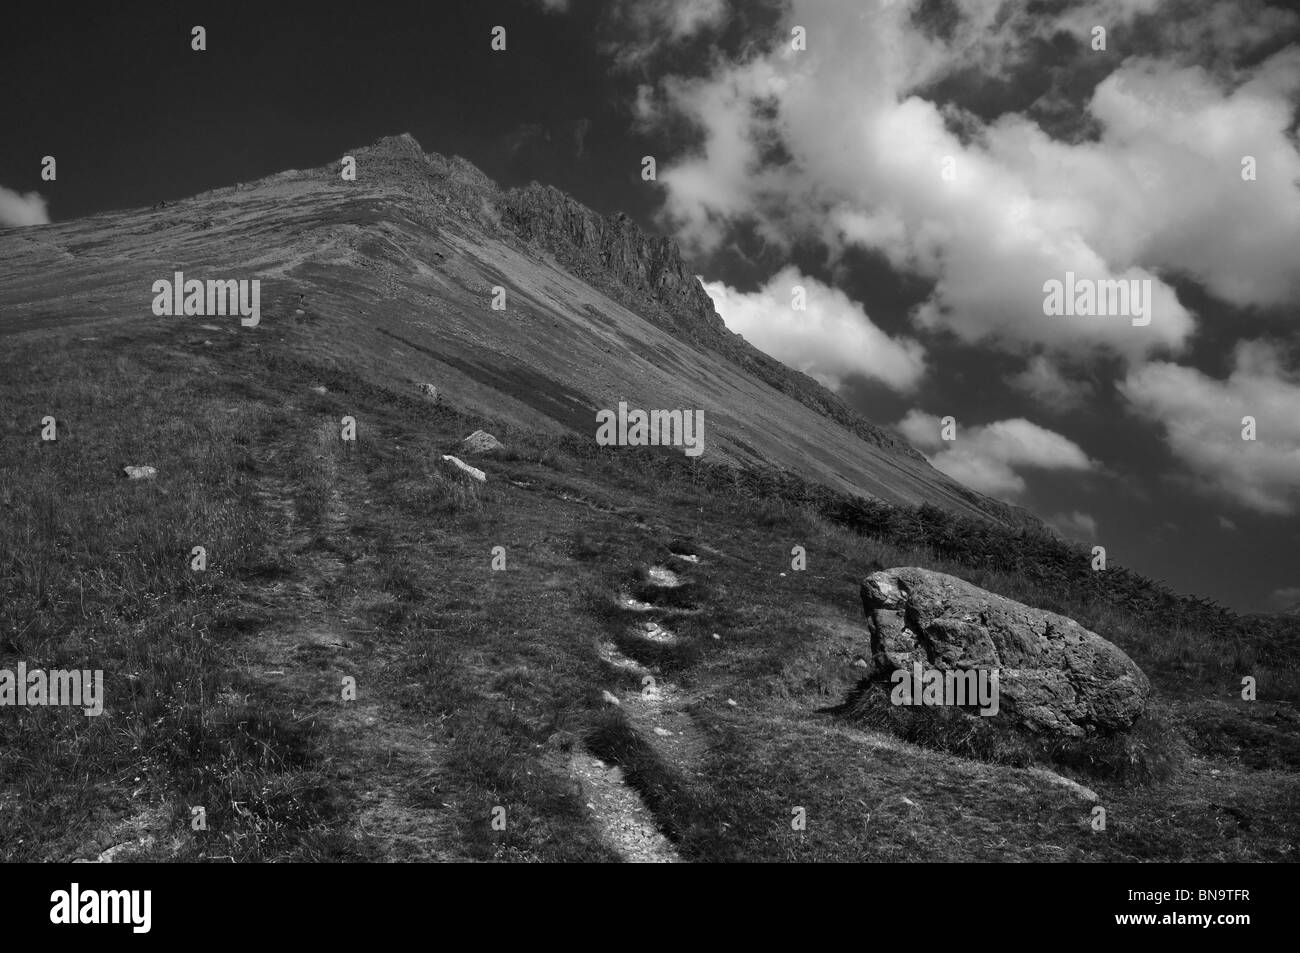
[658, 713]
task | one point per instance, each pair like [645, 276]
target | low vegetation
[372, 560]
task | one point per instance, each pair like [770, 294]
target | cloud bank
[840, 144]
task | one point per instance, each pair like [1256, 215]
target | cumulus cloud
[1201, 418]
[989, 457]
[22, 209]
[830, 340]
[841, 144]
[1047, 385]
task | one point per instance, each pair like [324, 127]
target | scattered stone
[140, 473]
[1055, 676]
[662, 576]
[480, 441]
[663, 733]
[716, 636]
[115, 853]
[731, 702]
[465, 468]
[428, 390]
[609, 698]
[321, 389]
[657, 633]
[625, 601]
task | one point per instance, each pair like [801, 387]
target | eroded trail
[625, 823]
[656, 710]
[326, 660]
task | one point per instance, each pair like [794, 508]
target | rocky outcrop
[1055, 676]
[616, 254]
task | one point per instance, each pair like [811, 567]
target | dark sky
[133, 116]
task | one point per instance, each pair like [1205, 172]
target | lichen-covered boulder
[1055, 676]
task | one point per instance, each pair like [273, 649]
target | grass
[372, 561]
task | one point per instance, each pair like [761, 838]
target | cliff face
[618, 256]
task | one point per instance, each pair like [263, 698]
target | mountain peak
[402, 157]
[401, 146]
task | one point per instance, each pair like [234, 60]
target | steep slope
[642, 677]
[392, 275]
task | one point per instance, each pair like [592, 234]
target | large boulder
[1055, 676]
[480, 441]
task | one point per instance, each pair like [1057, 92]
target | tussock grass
[477, 684]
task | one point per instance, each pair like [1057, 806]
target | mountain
[336, 649]
[395, 271]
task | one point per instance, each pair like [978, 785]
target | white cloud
[830, 340]
[16, 209]
[1158, 194]
[1202, 422]
[989, 457]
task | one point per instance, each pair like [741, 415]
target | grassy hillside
[480, 689]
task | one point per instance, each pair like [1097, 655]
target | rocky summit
[1055, 676]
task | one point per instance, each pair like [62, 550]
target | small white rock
[140, 473]
[609, 698]
[465, 468]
